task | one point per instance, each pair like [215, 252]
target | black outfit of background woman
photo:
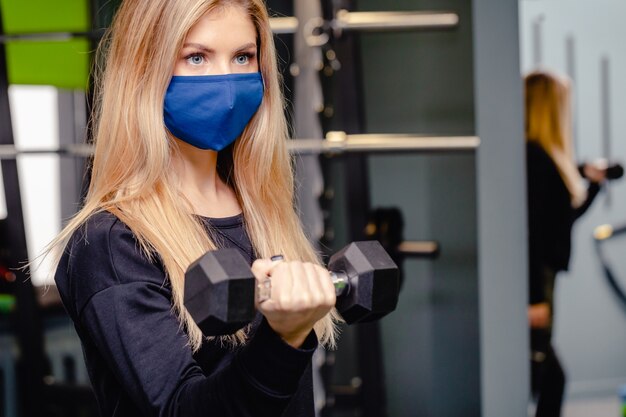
[550, 219]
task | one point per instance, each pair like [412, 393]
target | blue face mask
[211, 111]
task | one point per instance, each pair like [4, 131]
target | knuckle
[329, 300]
[317, 299]
[281, 269]
[285, 303]
[320, 270]
[305, 299]
[257, 264]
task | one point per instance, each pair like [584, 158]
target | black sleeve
[125, 307]
[543, 215]
[592, 192]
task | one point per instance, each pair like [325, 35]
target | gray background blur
[574, 37]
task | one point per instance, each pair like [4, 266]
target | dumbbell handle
[340, 281]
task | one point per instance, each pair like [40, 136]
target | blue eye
[195, 59]
[242, 59]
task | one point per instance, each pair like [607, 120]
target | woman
[190, 155]
[556, 198]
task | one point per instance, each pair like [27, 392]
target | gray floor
[593, 407]
[609, 406]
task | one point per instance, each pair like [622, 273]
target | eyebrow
[209, 50]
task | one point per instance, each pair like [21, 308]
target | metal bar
[73, 150]
[50, 36]
[284, 25]
[344, 20]
[416, 249]
[336, 143]
[389, 21]
[339, 142]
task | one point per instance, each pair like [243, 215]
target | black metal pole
[345, 111]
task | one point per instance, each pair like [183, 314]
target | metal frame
[50, 36]
[340, 142]
[343, 20]
[601, 234]
[334, 144]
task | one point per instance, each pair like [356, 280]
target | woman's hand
[539, 315]
[301, 294]
[595, 171]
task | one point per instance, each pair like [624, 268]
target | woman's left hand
[595, 171]
[539, 315]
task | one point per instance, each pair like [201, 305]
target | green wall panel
[64, 64]
[61, 64]
[29, 16]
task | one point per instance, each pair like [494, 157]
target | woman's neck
[201, 184]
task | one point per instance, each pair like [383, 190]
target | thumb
[262, 268]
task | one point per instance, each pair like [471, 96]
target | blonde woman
[556, 198]
[190, 155]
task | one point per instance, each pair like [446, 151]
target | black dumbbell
[220, 289]
[614, 171]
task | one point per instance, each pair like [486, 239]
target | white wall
[590, 324]
[34, 114]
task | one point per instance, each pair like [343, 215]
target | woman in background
[556, 198]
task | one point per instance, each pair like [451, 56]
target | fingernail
[277, 258]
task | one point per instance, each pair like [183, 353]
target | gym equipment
[345, 20]
[70, 150]
[220, 288]
[336, 143]
[386, 225]
[614, 171]
[601, 234]
[95, 35]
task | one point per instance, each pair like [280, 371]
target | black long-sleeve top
[137, 356]
[550, 218]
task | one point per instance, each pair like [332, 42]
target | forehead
[227, 25]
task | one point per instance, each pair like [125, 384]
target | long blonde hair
[548, 124]
[132, 176]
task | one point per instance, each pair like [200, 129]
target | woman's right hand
[539, 315]
[301, 294]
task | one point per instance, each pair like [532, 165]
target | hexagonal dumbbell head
[219, 292]
[374, 281]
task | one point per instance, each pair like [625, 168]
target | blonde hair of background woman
[548, 123]
[132, 173]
